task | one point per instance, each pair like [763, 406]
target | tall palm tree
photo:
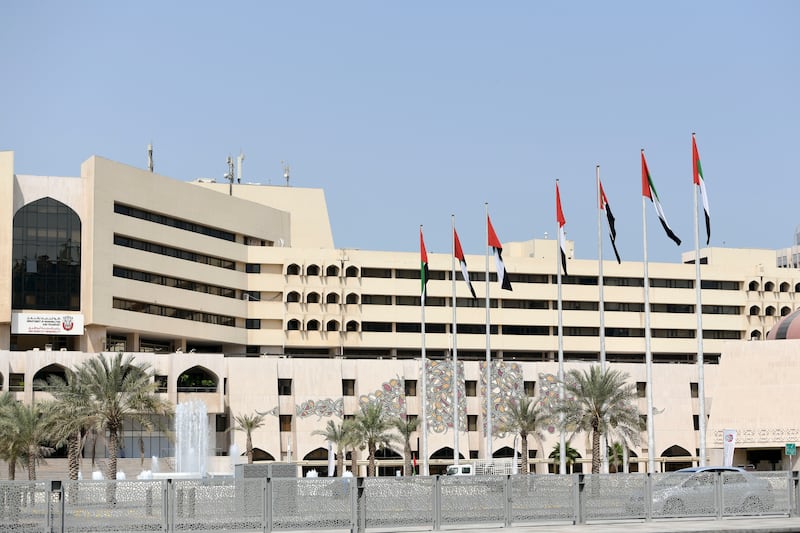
[352, 440]
[406, 425]
[10, 447]
[372, 427]
[248, 423]
[75, 416]
[117, 389]
[525, 416]
[616, 456]
[337, 436]
[29, 429]
[601, 402]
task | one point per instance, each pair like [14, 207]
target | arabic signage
[46, 323]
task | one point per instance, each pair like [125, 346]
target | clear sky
[408, 112]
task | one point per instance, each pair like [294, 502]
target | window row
[169, 281]
[769, 310]
[173, 312]
[769, 286]
[160, 249]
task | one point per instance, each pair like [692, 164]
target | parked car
[693, 491]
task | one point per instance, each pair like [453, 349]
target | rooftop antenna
[229, 176]
[285, 172]
[150, 157]
[239, 161]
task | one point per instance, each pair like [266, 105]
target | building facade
[236, 295]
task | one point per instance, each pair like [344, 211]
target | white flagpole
[651, 464]
[699, 311]
[455, 380]
[603, 443]
[488, 350]
[424, 382]
[562, 454]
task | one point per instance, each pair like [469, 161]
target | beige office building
[237, 296]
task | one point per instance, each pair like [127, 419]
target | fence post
[437, 503]
[794, 494]
[55, 503]
[578, 484]
[168, 496]
[266, 494]
[648, 497]
[507, 500]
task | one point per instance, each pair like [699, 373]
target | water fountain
[191, 439]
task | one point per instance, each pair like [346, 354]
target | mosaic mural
[391, 396]
[439, 405]
[321, 408]
[507, 384]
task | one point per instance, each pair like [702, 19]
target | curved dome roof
[787, 328]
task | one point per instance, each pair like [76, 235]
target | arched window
[293, 296]
[785, 286]
[755, 335]
[197, 379]
[332, 325]
[313, 298]
[753, 286]
[785, 310]
[293, 270]
[41, 380]
[352, 325]
[293, 325]
[351, 272]
[332, 271]
[332, 298]
[754, 310]
[769, 286]
[352, 298]
[46, 257]
[676, 451]
[312, 325]
[770, 311]
[312, 270]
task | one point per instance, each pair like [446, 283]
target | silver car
[694, 491]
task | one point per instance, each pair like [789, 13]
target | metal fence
[359, 504]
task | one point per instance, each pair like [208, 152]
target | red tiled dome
[787, 328]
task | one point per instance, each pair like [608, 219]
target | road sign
[791, 448]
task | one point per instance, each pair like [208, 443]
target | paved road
[734, 525]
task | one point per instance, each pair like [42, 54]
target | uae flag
[697, 170]
[494, 242]
[562, 237]
[612, 231]
[649, 191]
[423, 270]
[459, 254]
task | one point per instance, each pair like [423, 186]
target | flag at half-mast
[423, 269]
[497, 247]
[649, 191]
[459, 254]
[697, 171]
[612, 230]
[562, 237]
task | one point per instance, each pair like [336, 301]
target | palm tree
[117, 389]
[616, 456]
[248, 424]
[406, 425]
[29, 429]
[352, 440]
[10, 447]
[601, 402]
[524, 417]
[571, 454]
[75, 416]
[336, 435]
[372, 428]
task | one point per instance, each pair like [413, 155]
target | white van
[465, 469]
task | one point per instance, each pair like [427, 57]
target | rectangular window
[672, 283]
[286, 422]
[471, 388]
[221, 423]
[376, 299]
[284, 387]
[378, 327]
[348, 387]
[696, 422]
[694, 390]
[377, 273]
[411, 387]
[252, 323]
[641, 389]
[412, 418]
[16, 382]
[161, 383]
[472, 422]
[252, 268]
[473, 454]
[530, 388]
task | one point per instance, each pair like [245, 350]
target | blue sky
[408, 112]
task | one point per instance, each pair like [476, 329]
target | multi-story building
[236, 295]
